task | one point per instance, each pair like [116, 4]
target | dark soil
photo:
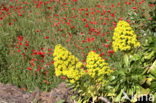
[12, 94]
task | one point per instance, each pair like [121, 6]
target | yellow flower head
[124, 37]
[97, 66]
[66, 64]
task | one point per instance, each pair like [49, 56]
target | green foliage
[132, 75]
[3, 61]
[151, 24]
[135, 73]
[144, 23]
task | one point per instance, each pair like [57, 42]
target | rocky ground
[12, 94]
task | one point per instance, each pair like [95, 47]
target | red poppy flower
[37, 31]
[23, 89]
[47, 37]
[83, 60]
[42, 61]
[27, 44]
[20, 38]
[112, 15]
[29, 68]
[63, 77]
[10, 24]
[18, 50]
[106, 45]
[100, 49]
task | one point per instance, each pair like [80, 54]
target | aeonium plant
[130, 75]
[88, 79]
[125, 40]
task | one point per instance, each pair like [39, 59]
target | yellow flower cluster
[66, 64]
[124, 37]
[96, 66]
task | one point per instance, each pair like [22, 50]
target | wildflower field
[103, 49]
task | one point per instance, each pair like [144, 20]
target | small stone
[26, 96]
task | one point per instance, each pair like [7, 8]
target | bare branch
[104, 99]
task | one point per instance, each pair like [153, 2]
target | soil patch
[12, 94]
